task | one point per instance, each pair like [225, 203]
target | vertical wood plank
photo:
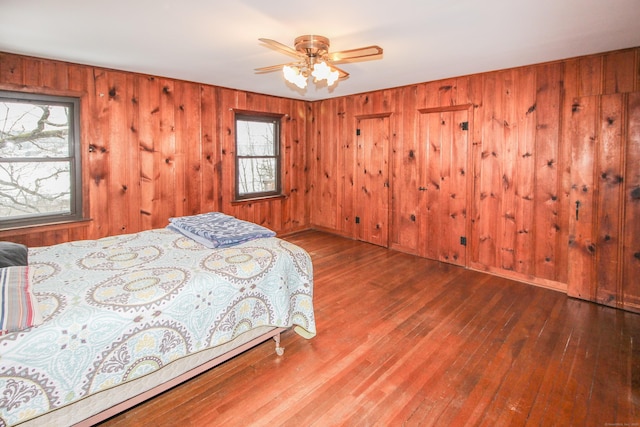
[525, 174]
[506, 151]
[590, 76]
[54, 75]
[169, 194]
[326, 206]
[619, 72]
[99, 157]
[631, 236]
[609, 196]
[490, 181]
[566, 209]
[345, 129]
[405, 175]
[116, 144]
[475, 94]
[132, 189]
[207, 151]
[11, 67]
[448, 93]
[188, 132]
[32, 72]
[148, 112]
[547, 191]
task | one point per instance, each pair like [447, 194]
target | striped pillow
[18, 305]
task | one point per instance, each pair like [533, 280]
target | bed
[123, 318]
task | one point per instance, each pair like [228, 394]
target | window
[40, 175]
[257, 156]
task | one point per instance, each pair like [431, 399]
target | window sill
[258, 200]
[27, 229]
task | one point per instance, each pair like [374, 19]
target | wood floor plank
[408, 341]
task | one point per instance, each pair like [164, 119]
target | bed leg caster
[279, 350]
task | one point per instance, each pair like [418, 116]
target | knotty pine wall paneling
[519, 163]
[504, 199]
[155, 147]
[519, 159]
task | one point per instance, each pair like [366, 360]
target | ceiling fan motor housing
[312, 46]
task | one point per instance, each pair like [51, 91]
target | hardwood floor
[407, 341]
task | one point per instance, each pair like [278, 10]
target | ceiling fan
[314, 59]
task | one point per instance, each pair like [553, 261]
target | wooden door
[442, 187]
[604, 236]
[372, 180]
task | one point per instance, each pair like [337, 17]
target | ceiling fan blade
[343, 73]
[353, 54]
[282, 47]
[271, 68]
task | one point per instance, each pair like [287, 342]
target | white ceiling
[216, 42]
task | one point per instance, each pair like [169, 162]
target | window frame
[276, 119]
[74, 159]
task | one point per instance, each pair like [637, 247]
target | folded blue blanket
[218, 230]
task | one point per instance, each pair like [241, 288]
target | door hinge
[464, 125]
[463, 241]
[357, 132]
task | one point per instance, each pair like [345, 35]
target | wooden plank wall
[518, 190]
[155, 147]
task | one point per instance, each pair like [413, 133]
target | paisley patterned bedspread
[120, 307]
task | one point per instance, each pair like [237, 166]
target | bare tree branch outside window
[257, 155]
[37, 159]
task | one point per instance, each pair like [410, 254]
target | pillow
[12, 254]
[18, 305]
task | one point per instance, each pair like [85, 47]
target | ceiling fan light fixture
[294, 76]
[321, 71]
[314, 59]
